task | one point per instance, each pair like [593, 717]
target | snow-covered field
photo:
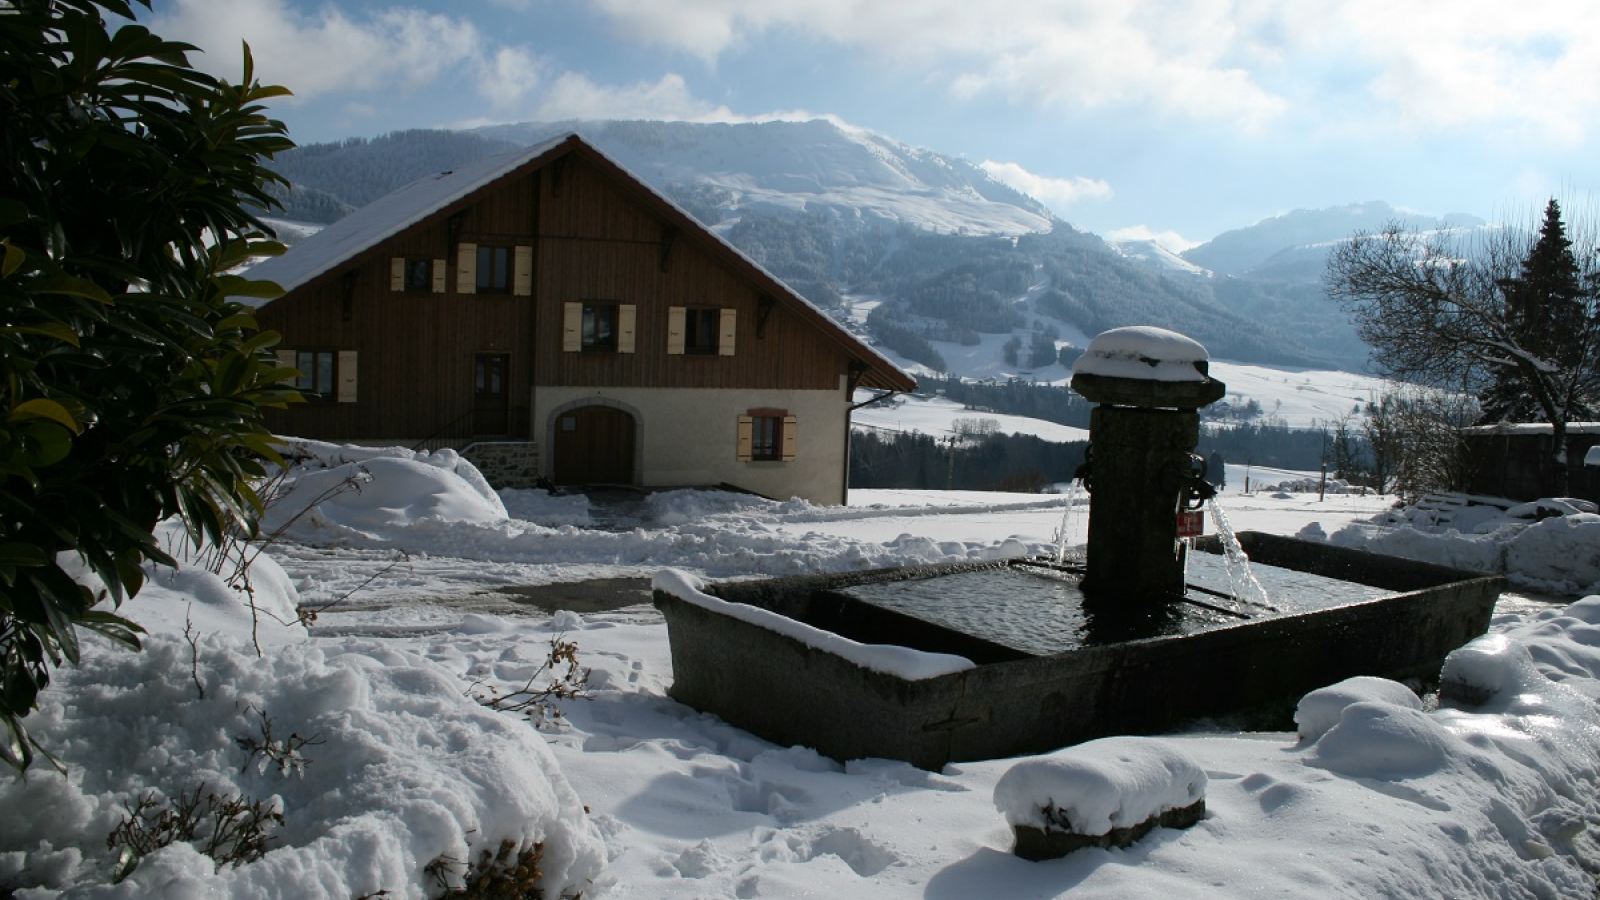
[362, 730]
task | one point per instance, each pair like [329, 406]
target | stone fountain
[980, 660]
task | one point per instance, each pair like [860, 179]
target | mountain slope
[942, 252]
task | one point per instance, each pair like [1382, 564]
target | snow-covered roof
[1532, 428]
[389, 215]
[400, 209]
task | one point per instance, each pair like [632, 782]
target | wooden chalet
[551, 316]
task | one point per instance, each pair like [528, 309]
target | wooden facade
[553, 272]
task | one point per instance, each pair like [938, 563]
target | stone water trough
[982, 660]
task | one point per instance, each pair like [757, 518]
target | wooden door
[491, 394]
[593, 445]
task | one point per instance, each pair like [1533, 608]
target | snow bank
[901, 662]
[334, 491]
[1143, 352]
[1321, 709]
[1092, 788]
[1550, 545]
[399, 770]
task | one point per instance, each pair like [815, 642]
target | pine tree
[1545, 312]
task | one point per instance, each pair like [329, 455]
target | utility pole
[950, 475]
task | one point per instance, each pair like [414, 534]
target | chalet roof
[320, 254]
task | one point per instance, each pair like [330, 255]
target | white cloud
[322, 53]
[1377, 65]
[1170, 240]
[1060, 194]
[508, 75]
[575, 96]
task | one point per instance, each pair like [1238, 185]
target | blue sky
[1173, 118]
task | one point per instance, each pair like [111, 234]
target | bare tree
[1434, 307]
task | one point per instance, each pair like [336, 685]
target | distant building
[552, 316]
[1512, 460]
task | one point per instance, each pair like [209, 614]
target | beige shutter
[627, 317]
[788, 438]
[286, 361]
[747, 428]
[572, 327]
[439, 284]
[730, 327]
[675, 326]
[347, 376]
[397, 273]
[522, 274]
[467, 268]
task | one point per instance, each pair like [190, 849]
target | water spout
[1066, 521]
[1246, 589]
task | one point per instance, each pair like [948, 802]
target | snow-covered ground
[363, 733]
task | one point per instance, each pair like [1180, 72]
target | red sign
[1191, 523]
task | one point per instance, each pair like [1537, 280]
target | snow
[901, 662]
[1094, 787]
[1143, 352]
[1487, 789]
[1543, 546]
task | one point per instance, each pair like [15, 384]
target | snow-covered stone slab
[1144, 352]
[1105, 793]
[1321, 709]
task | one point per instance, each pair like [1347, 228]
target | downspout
[856, 371]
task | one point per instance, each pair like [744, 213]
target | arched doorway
[593, 445]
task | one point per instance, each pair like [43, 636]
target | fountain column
[1147, 383]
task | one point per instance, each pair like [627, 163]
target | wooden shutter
[675, 326]
[397, 273]
[729, 327]
[286, 361]
[747, 428]
[572, 327]
[789, 431]
[439, 283]
[522, 274]
[466, 268]
[347, 376]
[627, 317]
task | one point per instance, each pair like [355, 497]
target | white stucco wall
[689, 437]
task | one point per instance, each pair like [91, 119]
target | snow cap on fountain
[1141, 365]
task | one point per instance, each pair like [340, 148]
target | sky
[1175, 119]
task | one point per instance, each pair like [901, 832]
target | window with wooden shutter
[627, 318]
[767, 434]
[675, 329]
[286, 361]
[746, 438]
[572, 327]
[522, 280]
[466, 268]
[729, 326]
[347, 376]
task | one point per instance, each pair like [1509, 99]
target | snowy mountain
[807, 167]
[1153, 254]
[1304, 236]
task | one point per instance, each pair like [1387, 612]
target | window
[316, 372]
[700, 326]
[598, 327]
[323, 374]
[494, 269]
[701, 330]
[419, 275]
[766, 440]
[767, 435]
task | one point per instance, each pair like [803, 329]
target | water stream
[1246, 588]
[1066, 521]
